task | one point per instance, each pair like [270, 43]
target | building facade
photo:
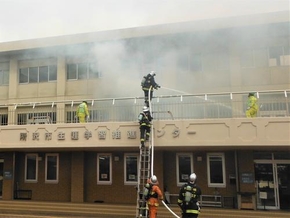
[205, 68]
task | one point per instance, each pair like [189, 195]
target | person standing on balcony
[148, 83]
[252, 106]
[155, 194]
[188, 198]
[82, 112]
[145, 119]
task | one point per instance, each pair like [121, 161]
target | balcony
[182, 120]
[173, 107]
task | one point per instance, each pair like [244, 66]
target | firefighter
[147, 83]
[144, 119]
[82, 112]
[154, 196]
[188, 198]
[252, 108]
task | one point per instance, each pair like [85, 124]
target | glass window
[82, 71]
[51, 168]
[274, 56]
[93, 71]
[33, 74]
[43, 74]
[184, 167]
[52, 73]
[31, 167]
[131, 168]
[71, 71]
[104, 169]
[216, 170]
[23, 75]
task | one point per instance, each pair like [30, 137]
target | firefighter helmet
[192, 178]
[154, 179]
[145, 109]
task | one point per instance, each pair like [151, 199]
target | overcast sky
[28, 19]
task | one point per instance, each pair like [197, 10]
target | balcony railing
[188, 106]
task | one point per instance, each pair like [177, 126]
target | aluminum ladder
[144, 175]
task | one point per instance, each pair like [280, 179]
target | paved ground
[35, 209]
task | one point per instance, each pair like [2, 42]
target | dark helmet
[251, 94]
[85, 102]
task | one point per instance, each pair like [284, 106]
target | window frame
[180, 183]
[57, 167]
[109, 181]
[216, 185]
[127, 182]
[26, 180]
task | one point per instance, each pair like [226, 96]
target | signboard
[248, 178]
[263, 195]
[7, 174]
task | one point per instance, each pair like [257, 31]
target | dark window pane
[43, 74]
[71, 71]
[52, 73]
[33, 74]
[216, 170]
[23, 75]
[51, 173]
[82, 71]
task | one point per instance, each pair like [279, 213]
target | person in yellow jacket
[154, 196]
[252, 108]
[83, 112]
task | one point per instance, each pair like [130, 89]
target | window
[184, 166]
[279, 56]
[31, 167]
[104, 169]
[216, 170]
[82, 71]
[4, 73]
[37, 74]
[4, 77]
[3, 119]
[131, 168]
[51, 168]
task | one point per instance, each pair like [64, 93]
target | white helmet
[145, 109]
[153, 179]
[152, 73]
[192, 178]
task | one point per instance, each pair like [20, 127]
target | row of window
[264, 57]
[184, 167]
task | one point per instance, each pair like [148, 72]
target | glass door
[266, 189]
[1, 176]
[283, 175]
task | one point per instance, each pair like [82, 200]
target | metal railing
[274, 103]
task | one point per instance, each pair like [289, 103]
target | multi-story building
[206, 69]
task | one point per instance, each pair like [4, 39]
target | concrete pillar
[77, 177]
[8, 176]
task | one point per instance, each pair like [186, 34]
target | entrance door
[1, 176]
[265, 181]
[283, 171]
[273, 187]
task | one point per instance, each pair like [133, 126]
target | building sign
[248, 178]
[7, 174]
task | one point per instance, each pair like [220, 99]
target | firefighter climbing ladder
[146, 170]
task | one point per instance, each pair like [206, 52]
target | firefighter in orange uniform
[155, 195]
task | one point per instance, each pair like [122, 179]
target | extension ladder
[144, 175]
